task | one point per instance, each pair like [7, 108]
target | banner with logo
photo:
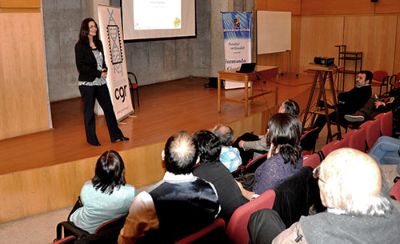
[110, 29]
[237, 42]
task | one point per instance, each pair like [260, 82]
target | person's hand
[241, 143]
[104, 74]
[379, 103]
[240, 185]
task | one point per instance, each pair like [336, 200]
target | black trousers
[369, 110]
[245, 155]
[264, 225]
[89, 95]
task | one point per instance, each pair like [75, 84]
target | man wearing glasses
[350, 187]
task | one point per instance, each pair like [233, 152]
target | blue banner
[237, 41]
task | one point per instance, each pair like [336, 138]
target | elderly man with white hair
[350, 187]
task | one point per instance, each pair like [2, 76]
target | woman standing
[92, 70]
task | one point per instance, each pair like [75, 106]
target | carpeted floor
[38, 229]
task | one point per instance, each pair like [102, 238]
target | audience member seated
[178, 205]
[375, 106]
[350, 187]
[211, 169]
[288, 106]
[230, 156]
[284, 156]
[106, 196]
[297, 196]
[386, 150]
[349, 102]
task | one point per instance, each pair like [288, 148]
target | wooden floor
[165, 108]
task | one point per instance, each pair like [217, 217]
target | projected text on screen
[165, 14]
[151, 19]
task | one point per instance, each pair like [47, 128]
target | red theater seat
[237, 226]
[372, 132]
[211, 233]
[395, 190]
[356, 139]
[312, 160]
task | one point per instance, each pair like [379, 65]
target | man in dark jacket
[212, 170]
[375, 106]
[351, 101]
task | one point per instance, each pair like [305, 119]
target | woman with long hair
[284, 155]
[89, 57]
[106, 196]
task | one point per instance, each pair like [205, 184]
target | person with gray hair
[288, 106]
[230, 156]
[178, 205]
[350, 185]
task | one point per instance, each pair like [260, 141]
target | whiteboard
[273, 31]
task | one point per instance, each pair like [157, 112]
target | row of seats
[382, 78]
[236, 229]
[108, 233]
[361, 139]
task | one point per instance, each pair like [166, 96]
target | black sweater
[354, 99]
[86, 62]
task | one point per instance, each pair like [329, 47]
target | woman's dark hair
[284, 132]
[84, 32]
[291, 107]
[109, 172]
[209, 146]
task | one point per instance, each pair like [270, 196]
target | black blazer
[86, 62]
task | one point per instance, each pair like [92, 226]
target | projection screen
[152, 19]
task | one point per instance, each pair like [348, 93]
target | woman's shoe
[122, 138]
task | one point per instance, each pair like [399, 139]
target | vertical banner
[237, 42]
[114, 51]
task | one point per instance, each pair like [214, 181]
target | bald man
[178, 205]
[350, 187]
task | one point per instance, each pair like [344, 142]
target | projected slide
[157, 14]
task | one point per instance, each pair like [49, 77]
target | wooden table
[264, 72]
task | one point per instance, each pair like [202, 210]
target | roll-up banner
[237, 42]
[111, 35]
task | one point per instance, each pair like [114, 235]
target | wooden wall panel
[387, 6]
[319, 35]
[30, 192]
[329, 7]
[375, 37]
[293, 6]
[24, 106]
[20, 4]
[40, 190]
[295, 52]
[396, 64]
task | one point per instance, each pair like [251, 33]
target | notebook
[247, 68]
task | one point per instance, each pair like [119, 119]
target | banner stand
[111, 35]
[237, 42]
